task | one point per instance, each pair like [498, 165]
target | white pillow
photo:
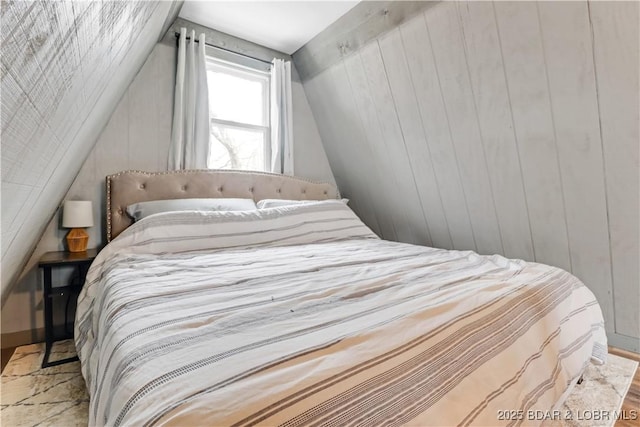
[276, 203]
[140, 210]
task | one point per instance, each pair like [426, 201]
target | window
[239, 112]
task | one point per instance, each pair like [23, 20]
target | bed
[301, 315]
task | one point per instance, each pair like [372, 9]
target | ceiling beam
[365, 22]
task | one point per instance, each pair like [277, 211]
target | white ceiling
[281, 25]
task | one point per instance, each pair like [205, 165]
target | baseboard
[16, 339]
[624, 353]
[624, 342]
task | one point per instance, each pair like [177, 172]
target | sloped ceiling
[64, 66]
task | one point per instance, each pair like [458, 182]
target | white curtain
[190, 132]
[281, 118]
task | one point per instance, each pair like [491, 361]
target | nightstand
[50, 260]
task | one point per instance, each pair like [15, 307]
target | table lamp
[76, 215]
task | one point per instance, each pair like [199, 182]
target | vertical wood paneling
[406, 106]
[616, 48]
[321, 107]
[446, 38]
[434, 118]
[567, 45]
[143, 119]
[518, 123]
[112, 147]
[345, 124]
[416, 230]
[368, 167]
[112, 154]
[533, 122]
[308, 156]
[489, 88]
[164, 77]
[318, 88]
[382, 169]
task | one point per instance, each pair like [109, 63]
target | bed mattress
[301, 316]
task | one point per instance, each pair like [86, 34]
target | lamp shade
[77, 214]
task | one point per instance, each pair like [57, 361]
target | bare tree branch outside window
[222, 136]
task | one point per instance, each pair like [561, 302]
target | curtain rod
[226, 50]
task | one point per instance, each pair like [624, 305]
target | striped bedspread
[301, 316]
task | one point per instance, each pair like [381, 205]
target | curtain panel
[281, 118]
[190, 131]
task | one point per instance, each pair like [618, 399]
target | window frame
[247, 73]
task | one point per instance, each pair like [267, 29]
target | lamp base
[77, 240]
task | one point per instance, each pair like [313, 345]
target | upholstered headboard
[126, 188]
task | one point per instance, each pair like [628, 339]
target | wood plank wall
[505, 127]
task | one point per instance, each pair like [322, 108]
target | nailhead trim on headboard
[320, 190]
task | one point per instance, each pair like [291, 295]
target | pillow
[275, 203]
[140, 210]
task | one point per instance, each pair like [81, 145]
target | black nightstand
[50, 260]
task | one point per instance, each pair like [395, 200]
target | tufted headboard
[126, 188]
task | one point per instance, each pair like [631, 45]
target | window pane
[232, 148]
[234, 98]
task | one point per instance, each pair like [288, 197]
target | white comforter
[302, 316]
